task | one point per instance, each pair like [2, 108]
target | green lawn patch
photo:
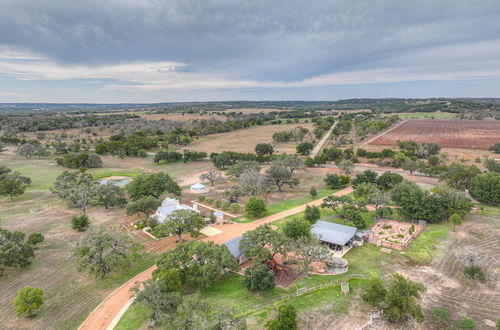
[134, 318]
[426, 245]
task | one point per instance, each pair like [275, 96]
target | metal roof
[333, 232]
[234, 246]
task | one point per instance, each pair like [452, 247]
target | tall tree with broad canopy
[110, 195]
[258, 279]
[154, 185]
[307, 249]
[388, 180]
[13, 185]
[280, 175]
[102, 250]
[293, 163]
[346, 166]
[145, 205]
[263, 149]
[16, 250]
[211, 176]
[77, 189]
[160, 300]
[397, 302]
[263, 243]
[304, 148]
[459, 176]
[182, 221]
[200, 264]
[194, 313]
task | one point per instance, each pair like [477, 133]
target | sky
[147, 51]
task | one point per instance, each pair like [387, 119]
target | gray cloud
[267, 42]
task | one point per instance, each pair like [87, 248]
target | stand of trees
[17, 250]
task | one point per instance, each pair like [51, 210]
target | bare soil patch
[465, 134]
[244, 140]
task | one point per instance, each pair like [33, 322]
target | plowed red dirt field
[464, 134]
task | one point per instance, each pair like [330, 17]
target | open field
[244, 140]
[422, 115]
[70, 295]
[465, 134]
[180, 117]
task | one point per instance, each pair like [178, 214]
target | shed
[334, 233]
[219, 216]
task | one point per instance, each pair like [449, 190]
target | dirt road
[323, 140]
[104, 315]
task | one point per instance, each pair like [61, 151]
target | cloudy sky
[192, 50]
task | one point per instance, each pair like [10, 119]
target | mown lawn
[287, 204]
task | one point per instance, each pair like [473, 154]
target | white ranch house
[168, 206]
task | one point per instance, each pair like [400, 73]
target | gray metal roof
[333, 232]
[234, 246]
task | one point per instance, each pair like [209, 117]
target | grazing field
[244, 140]
[464, 134]
[448, 288]
[69, 295]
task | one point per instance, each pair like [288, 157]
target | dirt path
[105, 313]
[322, 142]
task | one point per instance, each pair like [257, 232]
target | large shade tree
[102, 250]
[200, 264]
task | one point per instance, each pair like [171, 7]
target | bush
[235, 207]
[201, 198]
[296, 228]
[465, 323]
[80, 223]
[225, 205]
[255, 206]
[475, 273]
[440, 318]
[313, 192]
[210, 200]
[218, 203]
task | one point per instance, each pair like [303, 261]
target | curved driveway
[104, 315]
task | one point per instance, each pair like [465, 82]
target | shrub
[80, 223]
[287, 319]
[218, 203]
[201, 198]
[210, 200]
[235, 207]
[225, 205]
[255, 206]
[475, 273]
[465, 323]
[313, 192]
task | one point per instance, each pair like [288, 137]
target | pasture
[463, 134]
[244, 140]
[70, 295]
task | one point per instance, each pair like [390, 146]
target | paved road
[107, 312]
[323, 140]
